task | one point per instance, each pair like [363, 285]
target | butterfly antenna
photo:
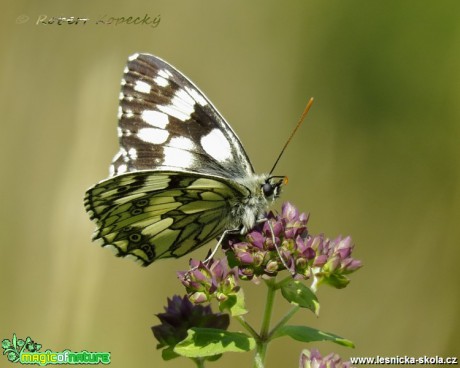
[299, 123]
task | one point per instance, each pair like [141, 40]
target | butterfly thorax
[264, 190]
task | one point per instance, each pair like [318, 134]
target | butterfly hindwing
[152, 215]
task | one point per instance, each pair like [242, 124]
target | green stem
[268, 308]
[287, 279]
[260, 356]
[314, 285]
[199, 362]
[262, 341]
[283, 321]
[247, 327]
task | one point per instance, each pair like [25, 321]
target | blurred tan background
[378, 159]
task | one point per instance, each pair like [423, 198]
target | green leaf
[231, 259]
[213, 358]
[235, 304]
[336, 280]
[297, 293]
[202, 342]
[308, 334]
[168, 353]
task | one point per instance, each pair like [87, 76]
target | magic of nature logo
[27, 351]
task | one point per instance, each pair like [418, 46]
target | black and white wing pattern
[181, 176]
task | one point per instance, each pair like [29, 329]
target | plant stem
[248, 327]
[283, 321]
[262, 342]
[314, 285]
[271, 284]
[287, 279]
[199, 362]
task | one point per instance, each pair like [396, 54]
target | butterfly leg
[212, 253]
[277, 248]
[221, 239]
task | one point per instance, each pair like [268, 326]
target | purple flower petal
[256, 239]
[289, 212]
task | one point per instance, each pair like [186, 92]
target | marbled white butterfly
[181, 177]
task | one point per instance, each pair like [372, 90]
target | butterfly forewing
[166, 123]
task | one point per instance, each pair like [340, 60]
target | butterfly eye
[272, 188]
[268, 189]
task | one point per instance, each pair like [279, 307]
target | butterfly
[181, 177]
